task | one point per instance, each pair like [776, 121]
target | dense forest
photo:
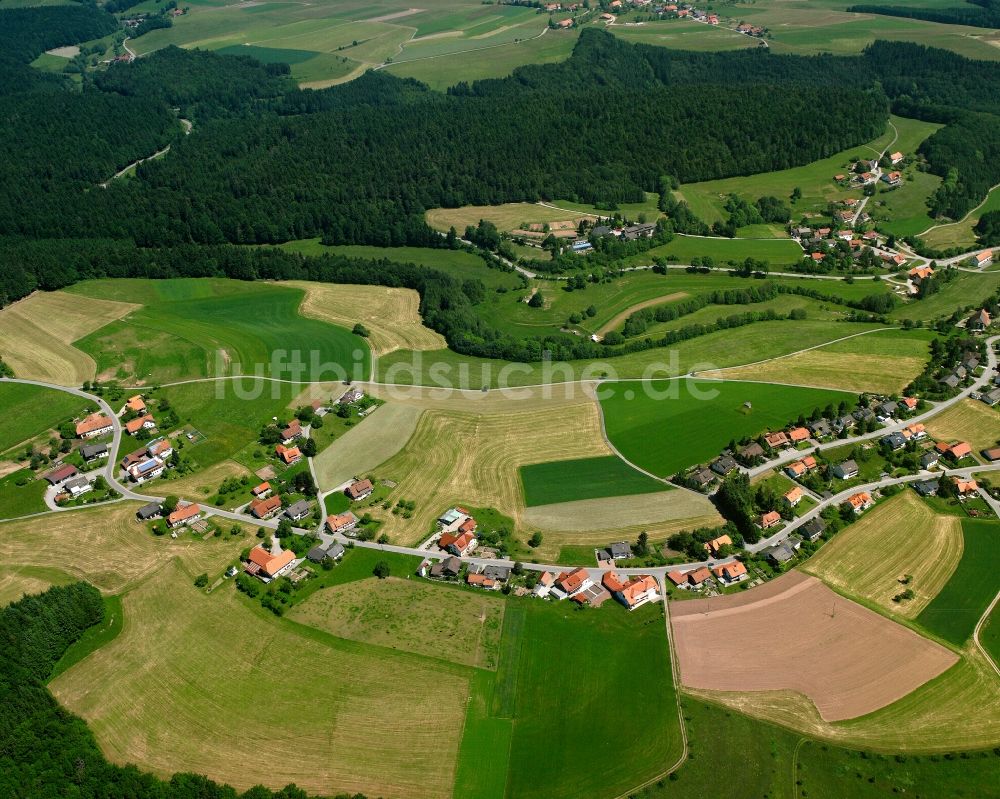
[977, 13]
[46, 752]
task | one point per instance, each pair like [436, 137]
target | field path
[607, 327]
[979, 626]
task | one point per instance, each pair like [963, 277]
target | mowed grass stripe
[583, 478]
[484, 755]
[955, 611]
[674, 424]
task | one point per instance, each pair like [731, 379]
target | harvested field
[968, 420]
[595, 522]
[379, 437]
[509, 216]
[901, 536]
[884, 362]
[38, 331]
[390, 314]
[17, 581]
[251, 700]
[410, 615]
[106, 546]
[846, 659]
[461, 456]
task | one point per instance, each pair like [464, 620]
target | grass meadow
[18, 581]
[584, 478]
[958, 606]
[989, 634]
[679, 429]
[27, 411]
[966, 289]
[960, 233]
[17, 499]
[195, 328]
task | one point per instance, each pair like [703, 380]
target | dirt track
[796, 634]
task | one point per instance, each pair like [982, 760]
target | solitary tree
[381, 570]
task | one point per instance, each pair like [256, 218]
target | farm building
[61, 474]
[94, 425]
[261, 563]
[145, 422]
[459, 545]
[359, 489]
[297, 510]
[341, 522]
[263, 491]
[150, 511]
[93, 452]
[265, 508]
[184, 515]
[136, 405]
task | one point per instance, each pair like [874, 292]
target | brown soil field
[390, 314]
[36, 335]
[901, 536]
[795, 634]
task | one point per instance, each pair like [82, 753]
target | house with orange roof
[798, 434]
[458, 545]
[566, 23]
[893, 178]
[288, 455]
[794, 496]
[145, 422]
[860, 502]
[919, 273]
[470, 525]
[712, 547]
[956, 451]
[817, 256]
[265, 508]
[184, 515]
[915, 431]
[777, 440]
[612, 581]
[809, 462]
[341, 522]
[908, 403]
[965, 487]
[698, 576]
[359, 489]
[571, 582]
[795, 470]
[97, 424]
[481, 581]
[769, 520]
[895, 158]
[637, 592]
[292, 433]
[136, 404]
[984, 258]
[980, 320]
[731, 572]
[261, 563]
[262, 491]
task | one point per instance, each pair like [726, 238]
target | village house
[894, 441]
[908, 403]
[544, 584]
[820, 428]
[291, 433]
[984, 258]
[702, 478]
[992, 454]
[566, 23]
[697, 578]
[798, 435]
[723, 465]
[895, 158]
[133, 458]
[297, 510]
[893, 178]
[846, 470]
[571, 582]
[151, 511]
[265, 566]
[77, 486]
[352, 394]
[926, 488]
[262, 491]
[620, 550]
[731, 573]
[860, 502]
[449, 567]
[184, 515]
[813, 528]
[800, 467]
[319, 553]
[769, 520]
[481, 581]
[632, 593]
[782, 552]
[93, 452]
[750, 453]
[956, 451]
[777, 440]
[145, 422]
[915, 432]
[146, 469]
[712, 547]
[359, 489]
[979, 321]
[288, 455]
[929, 459]
[460, 545]
[962, 486]
[265, 508]
[341, 522]
[61, 474]
[794, 496]
[136, 405]
[160, 448]
[96, 424]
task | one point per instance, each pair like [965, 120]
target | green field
[961, 234]
[903, 211]
[815, 179]
[681, 34]
[566, 681]
[585, 478]
[26, 411]
[989, 634]
[691, 421]
[457, 263]
[777, 252]
[955, 611]
[718, 350]
[191, 328]
[965, 289]
[21, 500]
